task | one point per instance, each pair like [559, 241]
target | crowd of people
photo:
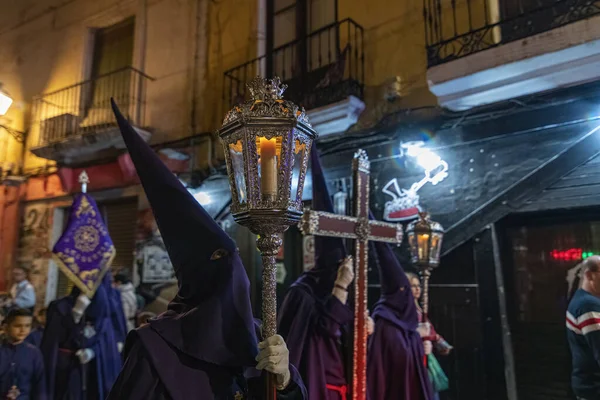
[206, 345]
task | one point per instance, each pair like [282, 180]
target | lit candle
[268, 168]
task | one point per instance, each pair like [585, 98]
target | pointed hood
[396, 302]
[210, 318]
[329, 251]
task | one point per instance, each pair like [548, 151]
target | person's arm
[38, 378]
[26, 297]
[333, 315]
[589, 324]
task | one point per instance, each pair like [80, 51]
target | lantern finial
[266, 89]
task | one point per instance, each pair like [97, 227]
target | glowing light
[203, 198]
[5, 102]
[573, 254]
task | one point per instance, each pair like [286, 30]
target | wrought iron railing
[458, 28]
[84, 108]
[321, 68]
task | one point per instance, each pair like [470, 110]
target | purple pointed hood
[329, 251]
[210, 318]
[396, 302]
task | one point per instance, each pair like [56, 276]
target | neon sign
[405, 202]
[573, 254]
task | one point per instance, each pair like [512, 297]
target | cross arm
[320, 223]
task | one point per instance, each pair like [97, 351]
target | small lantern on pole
[425, 241]
[267, 141]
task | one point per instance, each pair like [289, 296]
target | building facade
[482, 112]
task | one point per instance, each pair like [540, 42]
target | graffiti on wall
[151, 257]
[33, 252]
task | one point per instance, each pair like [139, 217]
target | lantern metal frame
[267, 115]
[425, 260]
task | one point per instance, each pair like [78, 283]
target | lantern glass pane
[269, 160]
[297, 162]
[436, 246]
[236, 153]
[413, 245]
[423, 245]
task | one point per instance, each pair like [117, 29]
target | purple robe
[312, 328]
[395, 356]
[63, 337]
[117, 313]
[311, 319]
[22, 366]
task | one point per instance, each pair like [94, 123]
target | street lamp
[5, 101]
[425, 241]
[267, 141]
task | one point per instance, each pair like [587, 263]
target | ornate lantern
[425, 240]
[267, 141]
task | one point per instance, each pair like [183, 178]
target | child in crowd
[21, 364]
[35, 337]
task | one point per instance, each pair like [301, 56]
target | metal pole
[269, 245]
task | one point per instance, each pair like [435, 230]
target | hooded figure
[117, 313]
[395, 357]
[205, 344]
[79, 346]
[314, 311]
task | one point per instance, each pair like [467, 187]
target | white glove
[345, 273]
[120, 346]
[428, 347]
[424, 329]
[273, 356]
[81, 304]
[370, 326]
[85, 355]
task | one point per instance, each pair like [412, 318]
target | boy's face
[18, 275]
[19, 329]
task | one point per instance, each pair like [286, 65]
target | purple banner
[85, 250]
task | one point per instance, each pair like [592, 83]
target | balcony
[486, 51]
[76, 124]
[324, 72]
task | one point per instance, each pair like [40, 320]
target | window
[301, 36]
[110, 74]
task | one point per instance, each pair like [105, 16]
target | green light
[586, 254]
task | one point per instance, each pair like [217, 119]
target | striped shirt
[583, 334]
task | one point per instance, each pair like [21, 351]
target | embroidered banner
[85, 250]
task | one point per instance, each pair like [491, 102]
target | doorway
[539, 252]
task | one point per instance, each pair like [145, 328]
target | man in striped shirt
[583, 332]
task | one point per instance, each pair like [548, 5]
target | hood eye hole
[218, 254]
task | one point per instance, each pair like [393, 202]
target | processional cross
[363, 230]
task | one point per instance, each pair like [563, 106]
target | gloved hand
[345, 273]
[424, 329]
[120, 346]
[81, 304]
[273, 356]
[85, 355]
[428, 347]
[370, 326]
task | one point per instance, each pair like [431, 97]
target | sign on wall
[404, 205]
